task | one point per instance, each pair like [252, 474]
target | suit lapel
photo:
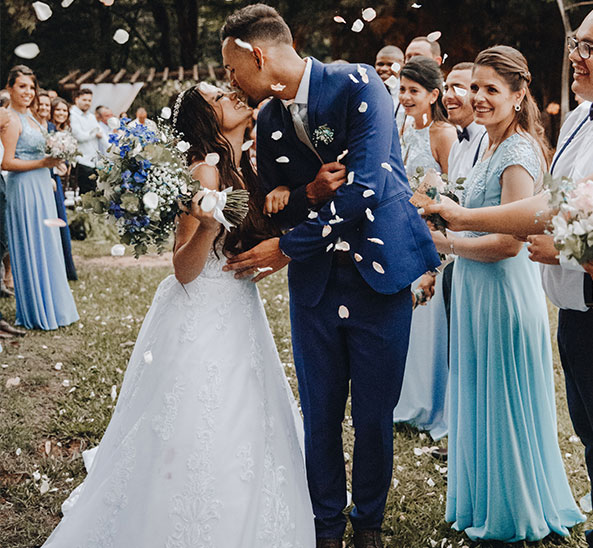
[314, 94]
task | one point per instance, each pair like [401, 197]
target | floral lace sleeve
[519, 151]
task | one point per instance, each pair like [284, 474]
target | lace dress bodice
[31, 143]
[416, 150]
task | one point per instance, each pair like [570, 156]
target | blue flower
[126, 175]
[140, 176]
[113, 138]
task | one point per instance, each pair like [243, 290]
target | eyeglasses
[584, 48]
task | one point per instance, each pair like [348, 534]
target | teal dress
[506, 478]
[43, 296]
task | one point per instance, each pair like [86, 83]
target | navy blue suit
[366, 350]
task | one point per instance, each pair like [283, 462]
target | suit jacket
[389, 242]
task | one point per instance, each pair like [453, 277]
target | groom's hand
[328, 179]
[264, 259]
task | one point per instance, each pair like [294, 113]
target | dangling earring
[517, 108]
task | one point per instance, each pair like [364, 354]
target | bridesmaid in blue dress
[506, 478]
[43, 297]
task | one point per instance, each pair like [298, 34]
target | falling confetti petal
[58, 366]
[348, 498]
[369, 214]
[337, 219]
[392, 82]
[434, 36]
[430, 482]
[18, 452]
[148, 357]
[460, 91]
[212, 158]
[395, 483]
[15, 381]
[332, 207]
[329, 248]
[278, 87]
[424, 119]
[585, 503]
[339, 19]
[114, 121]
[27, 51]
[342, 246]
[42, 11]
[121, 36]
[357, 257]
[350, 178]
[353, 78]
[343, 312]
[244, 45]
[54, 222]
[66, 383]
[418, 451]
[368, 193]
[313, 215]
[369, 14]
[282, 160]
[342, 155]
[165, 114]
[445, 57]
[118, 250]
[44, 487]
[247, 145]
[574, 439]
[396, 67]
[113, 392]
[386, 166]
[277, 135]
[363, 107]
[107, 2]
[36, 476]
[326, 230]
[378, 267]
[377, 241]
[363, 73]
[357, 26]
[67, 3]
[416, 6]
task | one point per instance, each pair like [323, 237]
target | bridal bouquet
[62, 145]
[572, 226]
[143, 178]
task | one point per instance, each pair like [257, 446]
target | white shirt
[149, 124]
[463, 153]
[85, 128]
[302, 95]
[564, 283]
[104, 143]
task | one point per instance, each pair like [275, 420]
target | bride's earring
[517, 108]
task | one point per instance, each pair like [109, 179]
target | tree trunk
[565, 89]
[187, 25]
[161, 20]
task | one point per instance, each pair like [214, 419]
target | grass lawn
[69, 378]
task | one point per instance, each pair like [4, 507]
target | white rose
[183, 146]
[151, 200]
[113, 122]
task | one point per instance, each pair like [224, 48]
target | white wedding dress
[204, 449]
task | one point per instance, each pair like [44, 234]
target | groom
[355, 246]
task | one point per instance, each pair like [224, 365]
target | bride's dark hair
[196, 120]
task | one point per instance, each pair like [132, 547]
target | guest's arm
[442, 137]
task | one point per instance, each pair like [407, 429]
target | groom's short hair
[256, 22]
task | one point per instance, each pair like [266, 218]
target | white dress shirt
[149, 124]
[302, 95]
[85, 128]
[564, 283]
[462, 155]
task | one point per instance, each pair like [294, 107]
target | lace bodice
[31, 143]
[483, 186]
[416, 150]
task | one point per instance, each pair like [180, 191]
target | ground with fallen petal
[45, 423]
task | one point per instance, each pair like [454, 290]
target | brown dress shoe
[329, 543]
[368, 538]
[7, 328]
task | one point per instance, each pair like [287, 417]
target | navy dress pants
[575, 343]
[365, 354]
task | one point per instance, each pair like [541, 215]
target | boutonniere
[323, 134]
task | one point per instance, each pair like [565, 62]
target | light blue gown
[506, 476]
[43, 297]
[422, 402]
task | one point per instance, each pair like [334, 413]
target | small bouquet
[62, 145]
[143, 178]
[572, 226]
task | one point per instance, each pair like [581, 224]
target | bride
[204, 447]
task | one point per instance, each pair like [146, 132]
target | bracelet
[452, 247]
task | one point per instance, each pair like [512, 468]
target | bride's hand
[206, 218]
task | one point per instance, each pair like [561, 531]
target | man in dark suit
[354, 246]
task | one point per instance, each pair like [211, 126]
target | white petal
[150, 200]
[369, 214]
[434, 36]
[118, 250]
[363, 107]
[430, 482]
[277, 135]
[114, 121]
[424, 119]
[44, 487]
[121, 36]
[27, 51]
[58, 366]
[343, 312]
[326, 230]
[392, 82]
[340, 156]
[368, 193]
[242, 44]
[350, 178]
[353, 78]
[247, 145]
[183, 146]
[54, 222]
[282, 160]
[357, 257]
[396, 67]
[377, 241]
[337, 219]
[19, 450]
[66, 3]
[416, 6]
[460, 91]
[378, 267]
[114, 392]
[313, 215]
[386, 166]
[148, 357]
[212, 158]
[332, 207]
[165, 113]
[357, 26]
[329, 248]
[66, 383]
[42, 11]
[339, 19]
[107, 2]
[342, 246]
[369, 14]
[278, 87]
[445, 57]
